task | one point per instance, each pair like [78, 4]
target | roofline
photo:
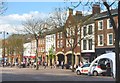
[105, 16]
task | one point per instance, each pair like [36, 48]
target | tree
[51, 55]
[70, 25]
[14, 47]
[3, 7]
[36, 27]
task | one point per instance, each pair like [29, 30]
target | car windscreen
[86, 65]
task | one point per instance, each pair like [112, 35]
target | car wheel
[78, 72]
[95, 73]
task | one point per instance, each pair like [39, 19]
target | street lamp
[3, 56]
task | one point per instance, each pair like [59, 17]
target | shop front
[88, 57]
[99, 51]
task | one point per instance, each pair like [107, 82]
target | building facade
[88, 40]
[27, 51]
[50, 42]
[41, 49]
[105, 37]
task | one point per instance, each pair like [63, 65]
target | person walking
[62, 64]
[45, 65]
[3, 63]
[57, 63]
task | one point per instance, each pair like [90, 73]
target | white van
[108, 56]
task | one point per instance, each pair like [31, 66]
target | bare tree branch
[3, 7]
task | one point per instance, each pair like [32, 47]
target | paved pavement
[48, 74]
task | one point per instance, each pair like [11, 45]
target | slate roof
[88, 19]
[105, 14]
[53, 31]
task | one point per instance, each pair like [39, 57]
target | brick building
[104, 32]
[84, 37]
[93, 37]
[41, 49]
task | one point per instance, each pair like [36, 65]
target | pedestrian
[62, 64]
[57, 63]
[28, 64]
[51, 65]
[45, 65]
[81, 64]
[3, 63]
[34, 64]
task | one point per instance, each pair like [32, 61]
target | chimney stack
[95, 9]
[70, 11]
[78, 13]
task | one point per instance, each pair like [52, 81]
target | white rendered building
[50, 41]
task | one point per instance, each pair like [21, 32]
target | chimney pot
[70, 11]
[78, 13]
[95, 9]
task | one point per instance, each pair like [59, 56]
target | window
[109, 24]
[58, 43]
[61, 43]
[67, 44]
[72, 31]
[84, 45]
[78, 40]
[78, 30]
[90, 44]
[71, 41]
[100, 40]
[67, 31]
[60, 34]
[100, 25]
[84, 31]
[110, 39]
[86, 65]
[90, 29]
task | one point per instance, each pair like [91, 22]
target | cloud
[13, 22]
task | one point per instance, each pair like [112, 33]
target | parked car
[82, 69]
[97, 69]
